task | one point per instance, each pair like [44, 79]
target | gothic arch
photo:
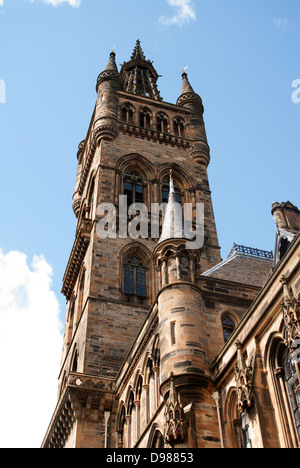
[232, 417]
[90, 198]
[121, 416]
[74, 359]
[162, 122]
[156, 351]
[137, 377]
[145, 256]
[129, 393]
[156, 438]
[274, 356]
[273, 344]
[145, 118]
[128, 113]
[229, 316]
[183, 181]
[180, 176]
[136, 162]
[148, 364]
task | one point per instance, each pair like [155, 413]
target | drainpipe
[216, 397]
[106, 419]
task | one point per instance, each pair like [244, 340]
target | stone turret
[183, 339]
[191, 100]
[107, 108]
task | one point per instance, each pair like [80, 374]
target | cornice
[78, 252]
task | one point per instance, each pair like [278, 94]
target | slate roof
[242, 268]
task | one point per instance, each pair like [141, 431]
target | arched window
[135, 278]
[127, 114]
[158, 440]
[162, 123]
[292, 379]
[80, 304]
[71, 322]
[130, 408]
[145, 118]
[91, 198]
[139, 389]
[179, 128]
[133, 189]
[120, 425]
[75, 362]
[228, 327]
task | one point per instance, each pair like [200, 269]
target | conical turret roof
[112, 63]
[188, 94]
[173, 219]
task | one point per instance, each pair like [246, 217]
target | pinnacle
[112, 62]
[138, 53]
[172, 225]
[186, 86]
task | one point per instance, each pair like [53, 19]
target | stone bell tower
[133, 141]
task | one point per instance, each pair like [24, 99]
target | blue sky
[243, 56]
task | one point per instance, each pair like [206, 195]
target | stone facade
[165, 345]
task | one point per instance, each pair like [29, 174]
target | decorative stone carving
[244, 380]
[174, 417]
[291, 315]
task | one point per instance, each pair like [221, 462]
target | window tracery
[135, 278]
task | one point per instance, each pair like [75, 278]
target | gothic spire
[188, 97]
[111, 72]
[139, 75]
[112, 62]
[173, 222]
[186, 85]
[138, 53]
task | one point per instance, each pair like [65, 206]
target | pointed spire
[138, 53]
[186, 85]
[188, 97]
[139, 75]
[173, 222]
[111, 72]
[112, 62]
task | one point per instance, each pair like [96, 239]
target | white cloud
[184, 13]
[284, 24]
[30, 349]
[73, 3]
